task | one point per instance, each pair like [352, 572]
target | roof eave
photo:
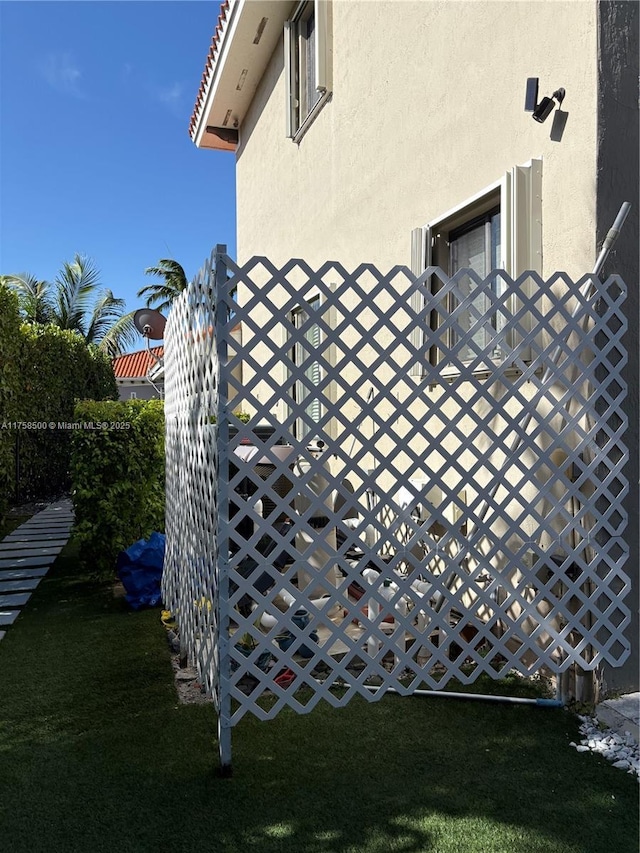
[243, 43]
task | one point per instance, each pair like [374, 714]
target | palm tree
[174, 282]
[76, 301]
[33, 296]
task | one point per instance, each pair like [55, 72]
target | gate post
[222, 562]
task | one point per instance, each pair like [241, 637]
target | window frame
[301, 115]
[518, 196]
[484, 221]
[298, 317]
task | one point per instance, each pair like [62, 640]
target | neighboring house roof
[136, 365]
[244, 40]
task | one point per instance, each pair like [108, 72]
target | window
[307, 65]
[302, 356]
[476, 246]
[499, 228]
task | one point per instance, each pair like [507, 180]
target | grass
[10, 522]
[97, 755]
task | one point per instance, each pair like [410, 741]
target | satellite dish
[150, 323]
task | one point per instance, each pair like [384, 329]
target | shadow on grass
[96, 755]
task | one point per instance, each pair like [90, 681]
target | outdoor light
[541, 111]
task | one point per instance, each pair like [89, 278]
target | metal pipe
[447, 694]
[612, 235]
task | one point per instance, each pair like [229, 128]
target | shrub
[117, 478]
[57, 369]
[10, 386]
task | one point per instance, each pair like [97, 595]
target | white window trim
[521, 233]
[323, 65]
[302, 430]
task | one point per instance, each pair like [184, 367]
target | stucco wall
[427, 110]
[143, 391]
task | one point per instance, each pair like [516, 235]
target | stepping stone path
[27, 554]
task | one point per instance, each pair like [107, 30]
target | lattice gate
[430, 484]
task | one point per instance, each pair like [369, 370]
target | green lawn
[9, 523]
[97, 755]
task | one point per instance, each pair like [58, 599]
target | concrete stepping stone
[31, 533]
[19, 585]
[46, 533]
[18, 599]
[51, 516]
[7, 552]
[28, 538]
[24, 562]
[50, 519]
[20, 574]
[27, 554]
[63, 518]
[26, 546]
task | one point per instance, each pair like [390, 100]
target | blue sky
[95, 153]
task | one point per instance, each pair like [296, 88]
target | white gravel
[621, 749]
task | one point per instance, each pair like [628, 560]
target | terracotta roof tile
[208, 68]
[135, 365]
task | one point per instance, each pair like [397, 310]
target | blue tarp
[140, 570]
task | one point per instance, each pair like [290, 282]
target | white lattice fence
[464, 514]
[190, 589]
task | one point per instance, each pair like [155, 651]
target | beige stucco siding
[426, 111]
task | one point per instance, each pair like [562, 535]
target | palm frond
[173, 284]
[160, 293]
[167, 268]
[75, 285]
[78, 304]
[33, 296]
[107, 310]
[120, 335]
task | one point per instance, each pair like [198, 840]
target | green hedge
[43, 372]
[57, 369]
[10, 388]
[117, 478]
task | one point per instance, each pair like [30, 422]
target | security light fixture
[531, 98]
[541, 111]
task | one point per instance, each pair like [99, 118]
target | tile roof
[134, 365]
[212, 57]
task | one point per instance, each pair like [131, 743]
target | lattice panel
[463, 514]
[190, 588]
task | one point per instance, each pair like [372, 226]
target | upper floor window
[307, 64]
[476, 246]
[498, 229]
